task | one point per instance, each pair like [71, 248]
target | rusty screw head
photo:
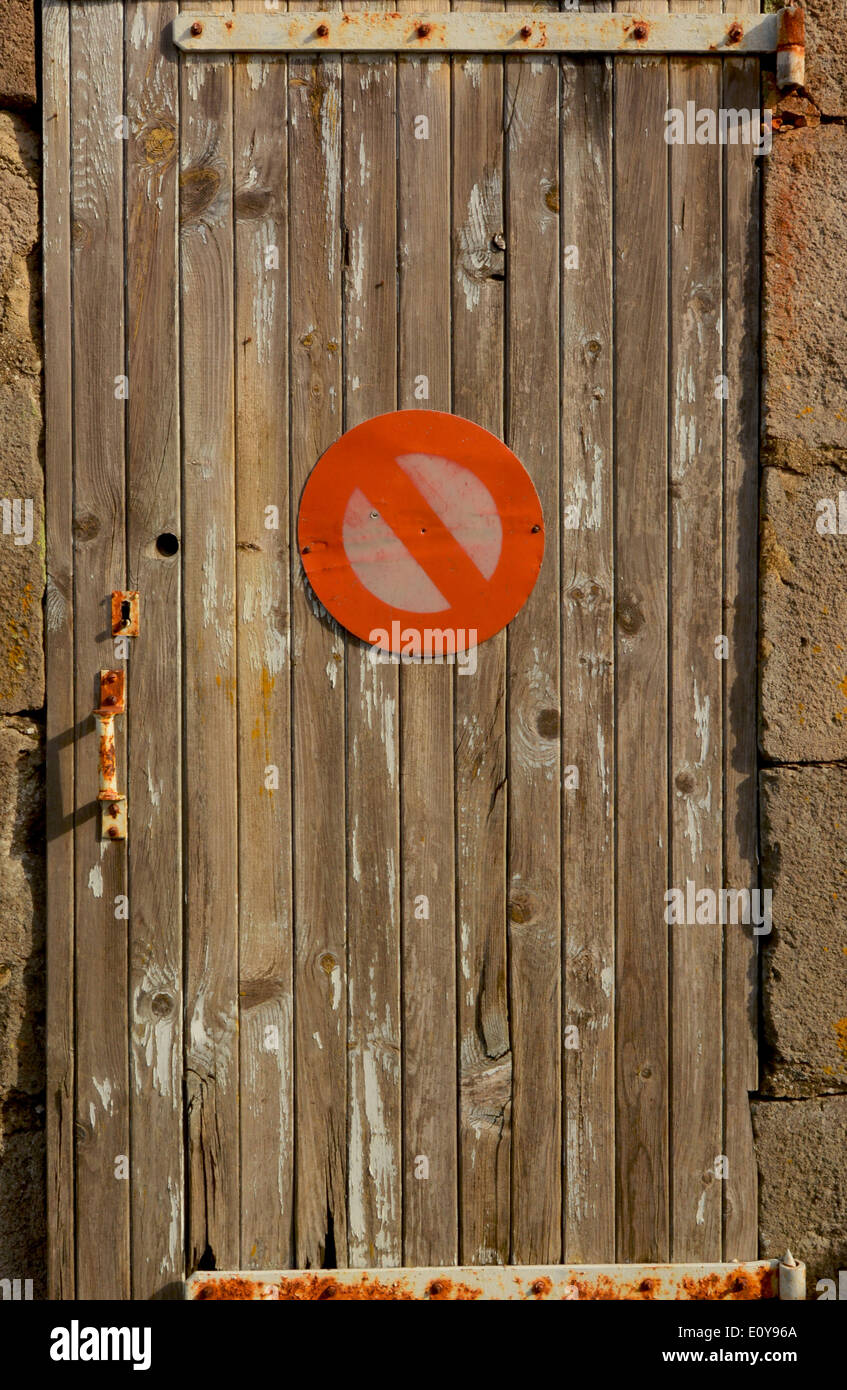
[322, 31]
[113, 832]
[640, 31]
[436, 1287]
[735, 33]
[196, 28]
[423, 30]
[526, 31]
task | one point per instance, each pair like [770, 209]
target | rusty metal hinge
[783, 1279]
[463, 31]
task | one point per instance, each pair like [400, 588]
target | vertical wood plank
[641, 480]
[588, 730]
[154, 715]
[741, 91]
[318, 676]
[485, 1055]
[696, 716]
[102, 1198]
[211, 830]
[430, 1203]
[262, 605]
[373, 867]
[58, 457]
[534, 806]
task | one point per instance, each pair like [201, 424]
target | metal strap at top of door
[707, 35]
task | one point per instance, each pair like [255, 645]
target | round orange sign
[421, 532]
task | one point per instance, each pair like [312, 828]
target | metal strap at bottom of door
[761, 1279]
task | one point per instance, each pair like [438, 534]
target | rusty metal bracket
[709, 35]
[125, 613]
[754, 1280]
[113, 816]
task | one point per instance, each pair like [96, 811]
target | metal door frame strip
[706, 35]
[783, 1279]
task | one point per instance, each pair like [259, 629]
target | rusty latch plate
[125, 613]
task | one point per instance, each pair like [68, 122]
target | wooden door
[381, 975]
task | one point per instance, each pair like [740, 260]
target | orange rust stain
[225, 1289]
[325, 1287]
[792, 28]
[735, 1285]
[445, 1290]
[107, 758]
[739, 1286]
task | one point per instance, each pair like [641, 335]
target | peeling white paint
[104, 1091]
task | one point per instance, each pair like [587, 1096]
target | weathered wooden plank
[318, 677]
[480, 33]
[696, 722]
[210, 748]
[373, 867]
[262, 605]
[102, 1113]
[534, 674]
[58, 457]
[588, 729]
[154, 713]
[485, 1067]
[641, 966]
[430, 1196]
[740, 692]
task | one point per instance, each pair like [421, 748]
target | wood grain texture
[588, 729]
[641, 966]
[318, 677]
[102, 1111]
[485, 1048]
[696, 716]
[58, 459]
[742, 272]
[154, 709]
[373, 863]
[266, 1006]
[430, 1202]
[406, 930]
[534, 672]
[211, 830]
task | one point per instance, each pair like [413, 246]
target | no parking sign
[418, 522]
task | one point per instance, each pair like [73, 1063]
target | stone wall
[800, 1119]
[800, 1115]
[22, 975]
